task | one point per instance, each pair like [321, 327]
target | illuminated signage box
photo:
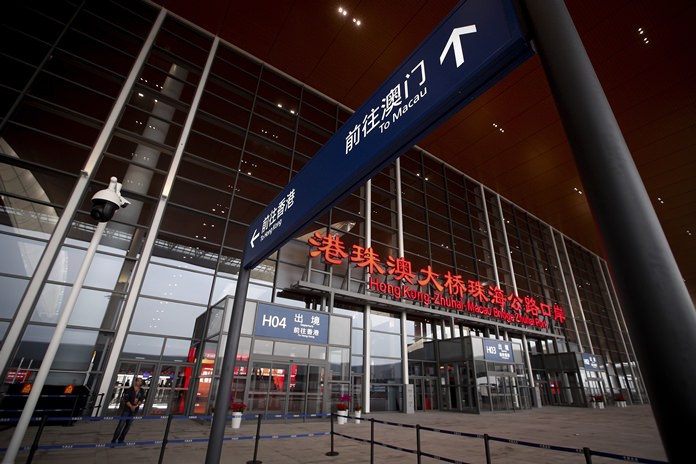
[292, 324]
[496, 350]
[591, 362]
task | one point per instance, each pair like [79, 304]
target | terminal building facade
[421, 290]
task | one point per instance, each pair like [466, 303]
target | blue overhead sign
[298, 325]
[496, 350]
[475, 45]
[591, 362]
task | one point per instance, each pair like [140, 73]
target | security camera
[106, 202]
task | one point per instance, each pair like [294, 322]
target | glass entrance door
[425, 393]
[286, 388]
[127, 373]
[169, 390]
[165, 385]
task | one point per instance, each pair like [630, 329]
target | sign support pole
[222, 397]
[659, 311]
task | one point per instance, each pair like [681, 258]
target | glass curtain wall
[252, 130]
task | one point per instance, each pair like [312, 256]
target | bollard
[332, 452]
[487, 445]
[164, 439]
[588, 455]
[35, 443]
[372, 440]
[418, 444]
[256, 441]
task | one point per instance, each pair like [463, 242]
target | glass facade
[203, 136]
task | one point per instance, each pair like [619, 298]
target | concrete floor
[627, 431]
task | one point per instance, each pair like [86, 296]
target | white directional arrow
[457, 44]
[254, 236]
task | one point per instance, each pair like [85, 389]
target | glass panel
[177, 284]
[20, 255]
[298, 378]
[124, 379]
[11, 291]
[165, 317]
[340, 363]
[387, 345]
[293, 350]
[177, 350]
[386, 370]
[315, 390]
[339, 333]
[317, 352]
[263, 346]
[140, 347]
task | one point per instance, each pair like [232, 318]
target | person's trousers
[122, 428]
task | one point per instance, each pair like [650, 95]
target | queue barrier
[487, 439]
[585, 451]
[44, 420]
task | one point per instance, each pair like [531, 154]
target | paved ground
[623, 431]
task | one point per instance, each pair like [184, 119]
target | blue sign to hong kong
[291, 324]
[496, 350]
[590, 362]
[474, 46]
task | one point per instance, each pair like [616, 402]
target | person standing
[132, 398]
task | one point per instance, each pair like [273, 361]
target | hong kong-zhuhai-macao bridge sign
[478, 43]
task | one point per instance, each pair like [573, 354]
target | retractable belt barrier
[162, 442]
[587, 452]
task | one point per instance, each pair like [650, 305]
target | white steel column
[400, 242]
[565, 286]
[367, 355]
[49, 255]
[140, 271]
[621, 323]
[47, 361]
[577, 295]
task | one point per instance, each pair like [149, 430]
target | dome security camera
[106, 202]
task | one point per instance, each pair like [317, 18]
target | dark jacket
[130, 396]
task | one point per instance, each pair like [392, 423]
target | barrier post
[35, 443]
[588, 455]
[487, 445]
[332, 452]
[164, 439]
[372, 440]
[256, 440]
[418, 444]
